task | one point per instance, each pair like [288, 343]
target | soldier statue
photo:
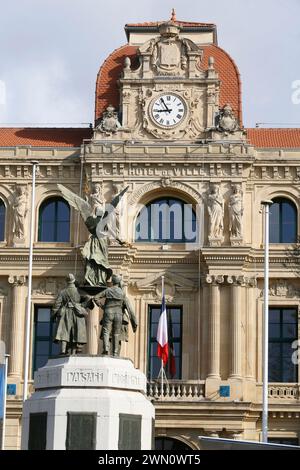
[69, 311]
[116, 311]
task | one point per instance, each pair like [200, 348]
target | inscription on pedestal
[130, 427]
[81, 431]
[84, 376]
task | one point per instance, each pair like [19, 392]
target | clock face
[168, 110]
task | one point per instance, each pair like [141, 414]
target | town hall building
[168, 124]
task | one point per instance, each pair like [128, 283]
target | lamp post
[6, 356]
[266, 204]
[28, 310]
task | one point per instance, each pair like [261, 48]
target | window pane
[175, 330]
[54, 221]
[63, 211]
[166, 220]
[289, 372]
[274, 330]
[274, 350]
[281, 337]
[43, 337]
[283, 221]
[274, 315]
[274, 223]
[289, 331]
[155, 362]
[42, 347]
[63, 229]
[2, 220]
[290, 315]
[43, 314]
[43, 329]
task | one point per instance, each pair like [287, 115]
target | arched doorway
[168, 443]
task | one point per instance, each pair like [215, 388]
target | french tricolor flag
[162, 333]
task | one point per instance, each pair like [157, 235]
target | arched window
[54, 221]
[283, 221]
[166, 220]
[2, 220]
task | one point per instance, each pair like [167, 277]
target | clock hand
[163, 102]
[162, 110]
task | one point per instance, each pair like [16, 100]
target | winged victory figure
[101, 228]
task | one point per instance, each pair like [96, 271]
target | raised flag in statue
[162, 333]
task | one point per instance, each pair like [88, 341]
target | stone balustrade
[173, 390]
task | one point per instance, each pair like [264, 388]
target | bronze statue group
[71, 307]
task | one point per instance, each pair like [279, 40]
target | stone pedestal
[88, 402]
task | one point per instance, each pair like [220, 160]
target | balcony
[176, 390]
[285, 391]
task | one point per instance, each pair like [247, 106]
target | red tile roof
[274, 138]
[107, 91]
[73, 137]
[231, 87]
[43, 137]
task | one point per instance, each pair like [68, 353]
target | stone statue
[117, 310]
[96, 198]
[226, 121]
[110, 122]
[236, 210]
[69, 311]
[20, 209]
[101, 227]
[215, 207]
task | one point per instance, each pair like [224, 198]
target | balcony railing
[190, 390]
[284, 391]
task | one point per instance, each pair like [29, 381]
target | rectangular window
[283, 331]
[173, 367]
[43, 346]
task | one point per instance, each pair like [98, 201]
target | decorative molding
[147, 188]
[282, 288]
[17, 280]
[49, 286]
[240, 280]
[175, 286]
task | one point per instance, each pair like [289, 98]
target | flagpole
[28, 311]
[265, 408]
[162, 362]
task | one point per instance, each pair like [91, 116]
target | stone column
[236, 328]
[214, 328]
[18, 309]
[93, 331]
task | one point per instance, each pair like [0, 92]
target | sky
[51, 51]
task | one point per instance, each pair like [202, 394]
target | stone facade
[217, 282]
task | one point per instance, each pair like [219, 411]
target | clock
[168, 110]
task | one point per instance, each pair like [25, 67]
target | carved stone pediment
[175, 285]
[48, 286]
[282, 288]
[169, 54]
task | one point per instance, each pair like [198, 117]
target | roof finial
[173, 15]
